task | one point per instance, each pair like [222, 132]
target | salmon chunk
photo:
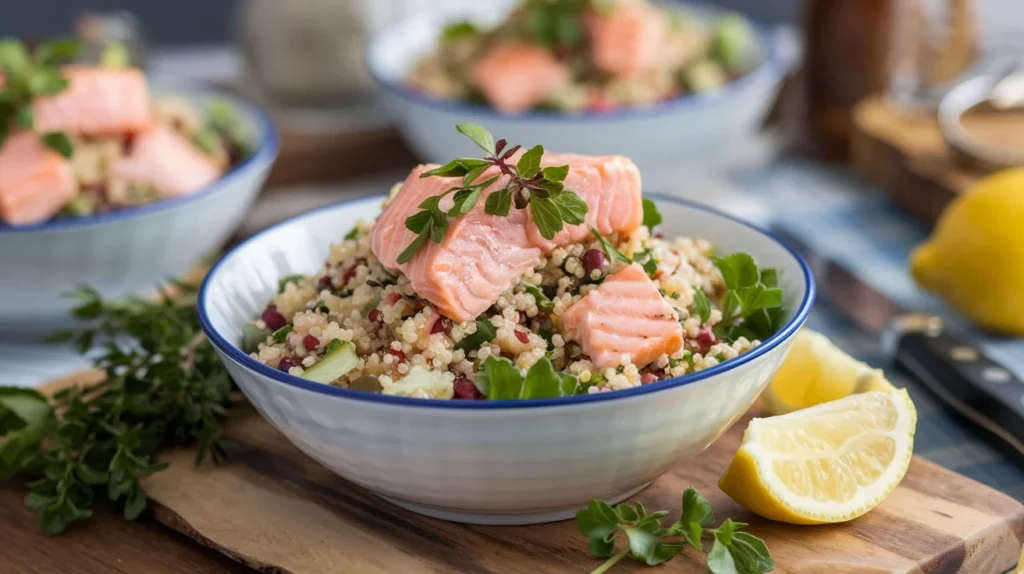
[610, 185]
[35, 181]
[164, 159]
[516, 76]
[480, 257]
[626, 315]
[628, 40]
[97, 101]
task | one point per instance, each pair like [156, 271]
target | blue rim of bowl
[772, 63]
[266, 152]
[237, 355]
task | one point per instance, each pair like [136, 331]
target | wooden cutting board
[908, 158]
[276, 510]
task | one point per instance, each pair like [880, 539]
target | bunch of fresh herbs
[752, 306]
[529, 185]
[164, 387]
[733, 551]
[28, 76]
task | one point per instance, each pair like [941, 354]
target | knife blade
[957, 372]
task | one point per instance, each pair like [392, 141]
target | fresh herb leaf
[478, 135]
[280, 334]
[458, 31]
[571, 207]
[499, 202]
[485, 333]
[646, 260]
[529, 164]
[333, 346]
[26, 418]
[609, 249]
[701, 305]
[752, 305]
[498, 379]
[648, 541]
[546, 216]
[414, 247]
[652, 217]
[252, 336]
[738, 270]
[558, 173]
[46, 82]
[58, 142]
[352, 234]
[14, 58]
[56, 52]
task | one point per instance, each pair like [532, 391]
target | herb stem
[610, 562]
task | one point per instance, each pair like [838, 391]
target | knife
[954, 370]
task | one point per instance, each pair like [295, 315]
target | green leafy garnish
[701, 306]
[752, 306]
[652, 217]
[648, 541]
[542, 190]
[485, 333]
[166, 389]
[27, 77]
[499, 380]
[609, 249]
[543, 303]
[280, 334]
[352, 234]
[646, 260]
[252, 336]
[459, 30]
[284, 281]
[555, 24]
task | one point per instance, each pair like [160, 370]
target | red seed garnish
[310, 342]
[393, 297]
[648, 378]
[466, 390]
[286, 363]
[522, 336]
[706, 338]
[398, 355]
[325, 283]
[441, 325]
[273, 318]
[594, 259]
[375, 316]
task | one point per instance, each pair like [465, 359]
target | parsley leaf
[701, 305]
[543, 303]
[58, 142]
[609, 249]
[458, 31]
[652, 217]
[529, 164]
[752, 305]
[479, 135]
[499, 202]
[352, 234]
[485, 333]
[284, 281]
[500, 380]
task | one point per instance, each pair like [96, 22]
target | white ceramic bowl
[125, 251]
[492, 462]
[684, 138]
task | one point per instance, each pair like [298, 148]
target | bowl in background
[689, 136]
[129, 250]
[492, 462]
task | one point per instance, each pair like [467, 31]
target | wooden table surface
[105, 544]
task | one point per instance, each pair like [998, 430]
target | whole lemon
[975, 256]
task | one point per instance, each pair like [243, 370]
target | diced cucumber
[733, 43]
[252, 336]
[435, 384]
[334, 364]
[704, 76]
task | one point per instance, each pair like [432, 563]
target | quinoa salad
[577, 55]
[363, 324]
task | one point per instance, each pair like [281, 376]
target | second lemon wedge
[828, 463]
[816, 371]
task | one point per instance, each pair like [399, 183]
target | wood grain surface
[907, 156]
[277, 510]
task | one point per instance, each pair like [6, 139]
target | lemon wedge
[816, 371]
[828, 463]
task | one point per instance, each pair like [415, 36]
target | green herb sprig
[165, 388]
[529, 185]
[500, 380]
[28, 76]
[733, 551]
[752, 306]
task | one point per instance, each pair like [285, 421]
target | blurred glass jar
[310, 52]
[103, 34]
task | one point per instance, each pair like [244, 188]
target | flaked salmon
[516, 76]
[625, 315]
[611, 188]
[629, 39]
[97, 101]
[35, 181]
[480, 257]
[164, 159]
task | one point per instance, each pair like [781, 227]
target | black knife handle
[963, 377]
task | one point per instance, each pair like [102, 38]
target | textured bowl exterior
[123, 252]
[491, 461]
[683, 138]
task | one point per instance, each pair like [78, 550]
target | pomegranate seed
[466, 390]
[325, 283]
[398, 355]
[286, 363]
[706, 338]
[522, 336]
[648, 378]
[310, 342]
[659, 235]
[375, 316]
[393, 297]
[594, 259]
[274, 319]
[442, 325]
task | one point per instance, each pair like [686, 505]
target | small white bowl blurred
[128, 250]
[492, 462]
[686, 137]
